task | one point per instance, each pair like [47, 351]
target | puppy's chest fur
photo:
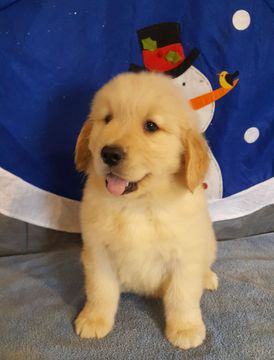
[143, 249]
[144, 243]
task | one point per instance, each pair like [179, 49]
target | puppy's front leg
[184, 324]
[102, 294]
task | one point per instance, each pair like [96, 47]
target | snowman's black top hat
[163, 51]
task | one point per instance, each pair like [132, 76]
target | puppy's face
[139, 130]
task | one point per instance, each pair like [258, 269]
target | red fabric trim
[156, 61]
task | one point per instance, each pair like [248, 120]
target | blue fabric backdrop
[55, 54]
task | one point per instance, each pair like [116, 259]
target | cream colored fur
[158, 240]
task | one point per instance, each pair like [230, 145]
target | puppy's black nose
[112, 154]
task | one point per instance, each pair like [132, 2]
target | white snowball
[251, 135]
[241, 20]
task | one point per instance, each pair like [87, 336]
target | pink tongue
[115, 185]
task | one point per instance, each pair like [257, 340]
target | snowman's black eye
[184, 84]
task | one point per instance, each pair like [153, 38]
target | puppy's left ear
[196, 158]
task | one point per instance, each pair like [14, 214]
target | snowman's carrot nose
[208, 98]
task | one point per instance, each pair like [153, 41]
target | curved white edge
[23, 201]
[243, 203]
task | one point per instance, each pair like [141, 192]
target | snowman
[162, 51]
[196, 84]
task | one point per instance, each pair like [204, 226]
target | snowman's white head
[193, 84]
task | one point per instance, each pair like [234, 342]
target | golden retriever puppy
[144, 217]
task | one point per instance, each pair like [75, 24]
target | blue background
[55, 54]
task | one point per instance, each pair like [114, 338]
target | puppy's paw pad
[88, 327]
[211, 280]
[187, 338]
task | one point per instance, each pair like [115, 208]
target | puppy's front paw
[188, 337]
[91, 325]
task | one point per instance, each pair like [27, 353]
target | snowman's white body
[194, 83]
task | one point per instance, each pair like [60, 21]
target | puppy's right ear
[82, 152]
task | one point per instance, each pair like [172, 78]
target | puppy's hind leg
[102, 294]
[210, 280]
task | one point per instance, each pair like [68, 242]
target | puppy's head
[141, 130]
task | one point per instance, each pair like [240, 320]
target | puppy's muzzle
[112, 155]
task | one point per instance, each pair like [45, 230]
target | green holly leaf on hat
[173, 56]
[149, 44]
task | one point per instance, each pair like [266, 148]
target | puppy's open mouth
[118, 186]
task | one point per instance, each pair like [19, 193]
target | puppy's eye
[150, 126]
[107, 118]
